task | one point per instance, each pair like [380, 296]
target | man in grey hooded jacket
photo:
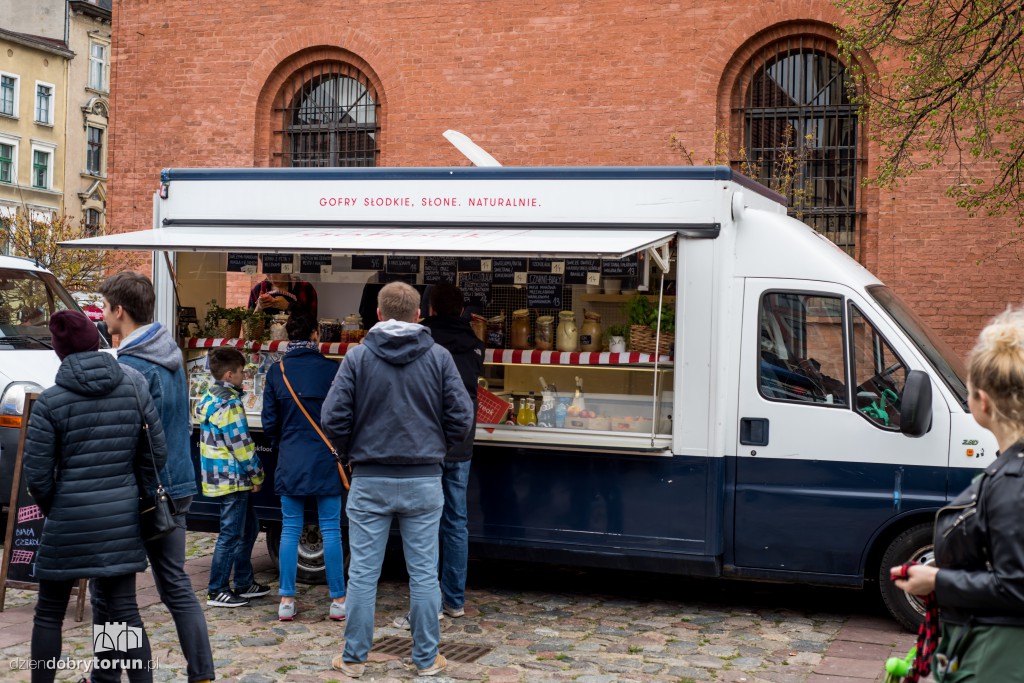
[128, 303]
[395, 408]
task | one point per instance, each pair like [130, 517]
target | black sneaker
[254, 591]
[225, 599]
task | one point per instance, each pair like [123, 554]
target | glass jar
[350, 328]
[568, 338]
[520, 333]
[278, 327]
[330, 331]
[496, 332]
[544, 337]
[479, 325]
[590, 333]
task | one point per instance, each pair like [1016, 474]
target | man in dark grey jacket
[395, 408]
[128, 302]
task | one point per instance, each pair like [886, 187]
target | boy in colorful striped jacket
[231, 471]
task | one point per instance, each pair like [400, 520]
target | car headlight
[12, 405]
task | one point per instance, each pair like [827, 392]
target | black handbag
[156, 513]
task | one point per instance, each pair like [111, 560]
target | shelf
[334, 349]
[618, 298]
[514, 357]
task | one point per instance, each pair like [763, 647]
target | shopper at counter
[146, 346]
[452, 331]
[280, 293]
[305, 466]
[395, 409]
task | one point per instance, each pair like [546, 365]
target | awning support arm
[661, 256]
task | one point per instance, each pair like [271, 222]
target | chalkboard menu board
[504, 270]
[368, 262]
[407, 278]
[440, 269]
[476, 288]
[278, 263]
[540, 265]
[314, 263]
[544, 291]
[576, 270]
[627, 267]
[403, 264]
[469, 265]
[237, 263]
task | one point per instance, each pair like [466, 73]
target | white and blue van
[804, 425]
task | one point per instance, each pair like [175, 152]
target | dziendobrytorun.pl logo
[107, 639]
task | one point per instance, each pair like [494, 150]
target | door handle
[754, 431]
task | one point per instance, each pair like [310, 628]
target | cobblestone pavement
[541, 623]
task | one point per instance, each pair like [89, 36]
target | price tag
[593, 278]
[249, 270]
[520, 278]
[326, 270]
[287, 268]
[485, 265]
[558, 267]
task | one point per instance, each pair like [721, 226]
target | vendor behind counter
[281, 292]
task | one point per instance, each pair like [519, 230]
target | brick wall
[536, 83]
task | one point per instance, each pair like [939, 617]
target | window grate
[328, 116]
[463, 653]
[798, 120]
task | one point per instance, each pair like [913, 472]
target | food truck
[777, 412]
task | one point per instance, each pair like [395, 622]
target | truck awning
[532, 242]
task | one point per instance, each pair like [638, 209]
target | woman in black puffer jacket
[82, 451]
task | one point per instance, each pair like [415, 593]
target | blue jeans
[372, 503]
[454, 534]
[238, 531]
[329, 510]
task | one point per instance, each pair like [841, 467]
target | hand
[256, 488]
[920, 579]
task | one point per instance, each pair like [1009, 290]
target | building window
[8, 95]
[44, 103]
[7, 172]
[92, 222]
[94, 153]
[98, 66]
[798, 122]
[328, 114]
[41, 168]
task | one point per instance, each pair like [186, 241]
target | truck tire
[311, 553]
[913, 545]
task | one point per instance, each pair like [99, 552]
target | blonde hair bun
[996, 366]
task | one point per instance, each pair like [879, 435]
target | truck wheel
[311, 553]
[913, 545]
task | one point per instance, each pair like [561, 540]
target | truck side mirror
[916, 405]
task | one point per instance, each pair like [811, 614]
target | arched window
[328, 114]
[801, 134]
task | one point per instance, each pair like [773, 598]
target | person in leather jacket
[979, 538]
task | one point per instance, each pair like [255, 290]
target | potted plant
[617, 335]
[645, 333]
[223, 323]
[254, 324]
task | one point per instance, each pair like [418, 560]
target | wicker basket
[228, 330]
[254, 330]
[642, 339]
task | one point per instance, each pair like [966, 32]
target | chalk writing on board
[627, 267]
[544, 291]
[314, 263]
[28, 532]
[540, 265]
[576, 270]
[438, 269]
[368, 262]
[476, 288]
[504, 270]
[237, 263]
[403, 264]
[278, 263]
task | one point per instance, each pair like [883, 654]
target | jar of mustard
[520, 334]
[544, 336]
[590, 333]
[568, 338]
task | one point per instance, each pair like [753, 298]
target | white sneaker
[454, 612]
[337, 612]
[403, 621]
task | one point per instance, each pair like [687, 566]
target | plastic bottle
[560, 412]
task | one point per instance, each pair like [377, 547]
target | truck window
[801, 350]
[878, 373]
[27, 300]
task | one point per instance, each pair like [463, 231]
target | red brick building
[318, 82]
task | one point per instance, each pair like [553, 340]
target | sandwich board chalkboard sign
[25, 530]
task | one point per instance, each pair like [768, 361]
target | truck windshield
[945, 361]
[27, 300]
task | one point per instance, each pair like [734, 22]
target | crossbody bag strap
[327, 442]
[145, 428]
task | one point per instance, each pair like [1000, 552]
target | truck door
[821, 463]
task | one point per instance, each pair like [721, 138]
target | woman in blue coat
[305, 466]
